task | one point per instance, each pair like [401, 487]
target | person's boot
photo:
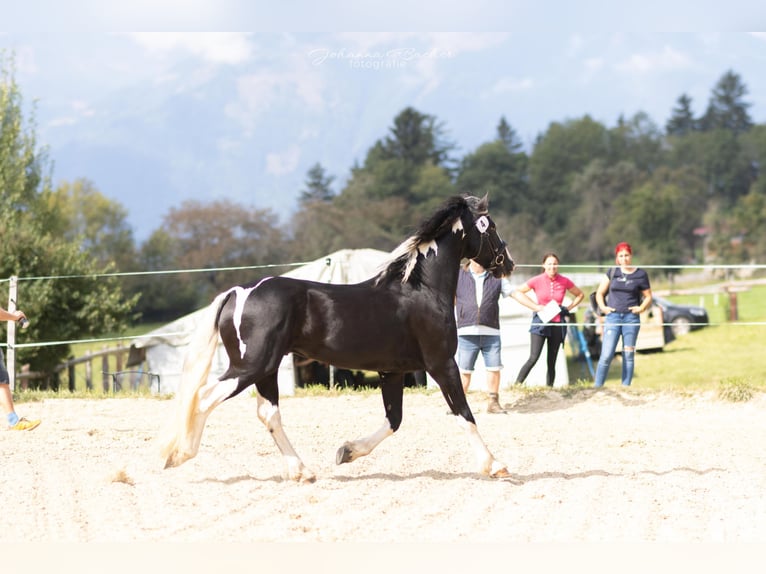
[493, 407]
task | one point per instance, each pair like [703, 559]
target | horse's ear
[484, 204]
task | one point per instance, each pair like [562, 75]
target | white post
[11, 358]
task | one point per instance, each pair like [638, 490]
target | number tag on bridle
[482, 224]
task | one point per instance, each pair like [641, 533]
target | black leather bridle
[482, 224]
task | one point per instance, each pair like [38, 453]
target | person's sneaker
[25, 424]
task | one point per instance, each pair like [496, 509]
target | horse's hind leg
[392, 389]
[197, 396]
[195, 411]
[268, 414]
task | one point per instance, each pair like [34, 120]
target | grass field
[725, 353]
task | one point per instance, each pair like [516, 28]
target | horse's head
[482, 242]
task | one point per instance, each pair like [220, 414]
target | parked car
[682, 318]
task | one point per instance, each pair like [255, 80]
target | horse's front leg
[268, 414]
[447, 376]
[392, 389]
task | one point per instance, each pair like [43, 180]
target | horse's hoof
[501, 473]
[303, 477]
[175, 459]
[344, 454]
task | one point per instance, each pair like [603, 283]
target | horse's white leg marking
[487, 463]
[240, 297]
[209, 396]
[214, 393]
[352, 450]
[269, 415]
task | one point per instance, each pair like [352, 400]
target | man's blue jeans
[616, 325]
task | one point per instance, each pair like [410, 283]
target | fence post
[105, 371]
[733, 310]
[88, 371]
[70, 373]
[11, 358]
[118, 368]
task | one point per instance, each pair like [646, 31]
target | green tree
[219, 234]
[658, 216]
[749, 219]
[345, 223]
[637, 140]
[431, 187]
[403, 176]
[509, 137]
[727, 109]
[720, 160]
[417, 138]
[318, 184]
[602, 190]
[72, 299]
[495, 170]
[681, 121]
[562, 151]
[163, 297]
[391, 167]
[80, 214]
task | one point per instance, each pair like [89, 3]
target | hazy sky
[244, 115]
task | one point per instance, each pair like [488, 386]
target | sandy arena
[607, 466]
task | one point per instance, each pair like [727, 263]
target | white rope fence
[598, 269]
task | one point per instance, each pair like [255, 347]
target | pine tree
[682, 120]
[317, 185]
[727, 110]
[509, 137]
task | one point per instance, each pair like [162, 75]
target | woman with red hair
[630, 294]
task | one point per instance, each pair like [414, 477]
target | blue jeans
[616, 325]
[469, 346]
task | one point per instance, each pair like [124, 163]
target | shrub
[735, 389]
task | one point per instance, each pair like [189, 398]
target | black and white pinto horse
[400, 321]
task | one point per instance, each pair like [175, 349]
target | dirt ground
[608, 466]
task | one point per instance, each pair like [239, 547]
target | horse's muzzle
[502, 265]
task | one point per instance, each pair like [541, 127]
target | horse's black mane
[403, 264]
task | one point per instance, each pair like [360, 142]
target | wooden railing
[113, 377]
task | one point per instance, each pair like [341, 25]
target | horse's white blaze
[241, 295]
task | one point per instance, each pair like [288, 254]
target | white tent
[162, 351]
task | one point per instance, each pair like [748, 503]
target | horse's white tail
[184, 431]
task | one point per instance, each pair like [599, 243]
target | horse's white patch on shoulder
[241, 294]
[427, 247]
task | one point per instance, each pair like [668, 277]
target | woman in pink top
[548, 286]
